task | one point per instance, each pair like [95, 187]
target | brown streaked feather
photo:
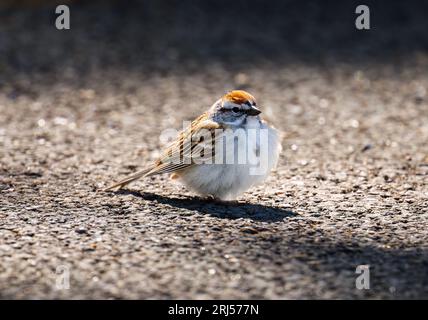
[178, 155]
[173, 158]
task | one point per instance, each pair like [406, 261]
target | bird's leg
[213, 199]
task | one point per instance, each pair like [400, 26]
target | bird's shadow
[220, 209]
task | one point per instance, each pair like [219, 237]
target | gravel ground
[84, 107]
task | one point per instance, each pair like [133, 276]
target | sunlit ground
[83, 107]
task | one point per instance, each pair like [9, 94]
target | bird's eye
[235, 109]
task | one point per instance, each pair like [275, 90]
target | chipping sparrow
[222, 153]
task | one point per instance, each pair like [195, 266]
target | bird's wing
[199, 138]
[182, 152]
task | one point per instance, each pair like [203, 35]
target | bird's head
[234, 108]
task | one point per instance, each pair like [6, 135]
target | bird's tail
[128, 180]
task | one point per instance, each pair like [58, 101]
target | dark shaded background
[188, 36]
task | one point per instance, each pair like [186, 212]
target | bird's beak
[253, 111]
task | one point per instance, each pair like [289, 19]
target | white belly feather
[228, 181]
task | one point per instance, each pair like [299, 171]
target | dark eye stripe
[234, 109]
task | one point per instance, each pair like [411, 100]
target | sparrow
[222, 153]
